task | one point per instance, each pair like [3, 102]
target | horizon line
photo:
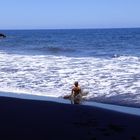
[70, 28]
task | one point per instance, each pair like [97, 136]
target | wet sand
[46, 120]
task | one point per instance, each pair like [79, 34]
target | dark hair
[76, 83]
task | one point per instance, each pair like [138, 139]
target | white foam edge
[117, 108]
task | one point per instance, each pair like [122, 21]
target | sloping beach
[34, 119]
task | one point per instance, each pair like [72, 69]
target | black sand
[44, 120]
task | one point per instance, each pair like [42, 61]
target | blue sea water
[106, 62]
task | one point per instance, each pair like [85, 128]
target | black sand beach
[45, 120]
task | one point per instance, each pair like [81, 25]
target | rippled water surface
[47, 62]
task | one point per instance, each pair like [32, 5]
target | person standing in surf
[76, 89]
[76, 93]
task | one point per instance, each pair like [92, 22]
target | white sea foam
[54, 75]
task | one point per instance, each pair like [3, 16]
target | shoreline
[107, 106]
[34, 119]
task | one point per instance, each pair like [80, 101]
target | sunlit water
[48, 62]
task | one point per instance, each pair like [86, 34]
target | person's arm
[72, 92]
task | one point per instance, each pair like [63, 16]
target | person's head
[76, 84]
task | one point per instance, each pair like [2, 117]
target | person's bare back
[76, 89]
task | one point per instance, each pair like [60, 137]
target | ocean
[105, 62]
